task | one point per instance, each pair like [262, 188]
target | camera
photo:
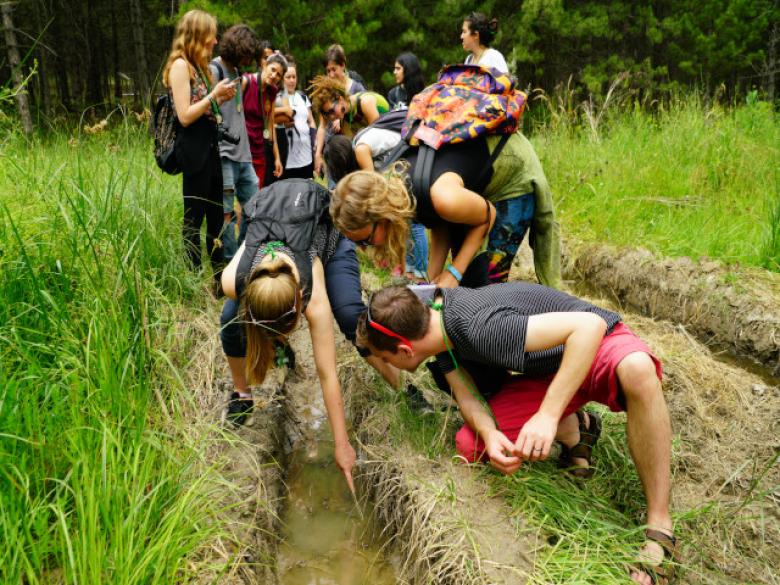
[225, 134]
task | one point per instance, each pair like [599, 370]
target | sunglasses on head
[267, 323]
[381, 328]
[369, 241]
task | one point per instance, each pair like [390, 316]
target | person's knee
[638, 376]
[466, 444]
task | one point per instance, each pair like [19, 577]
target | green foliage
[96, 485]
[692, 180]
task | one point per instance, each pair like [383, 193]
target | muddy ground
[440, 515]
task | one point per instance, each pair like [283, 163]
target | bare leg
[649, 440]
[238, 371]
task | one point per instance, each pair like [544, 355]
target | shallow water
[326, 542]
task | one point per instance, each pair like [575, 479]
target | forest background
[91, 55]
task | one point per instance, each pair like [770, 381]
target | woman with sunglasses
[293, 262]
[470, 206]
[341, 113]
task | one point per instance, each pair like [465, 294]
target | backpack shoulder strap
[496, 151]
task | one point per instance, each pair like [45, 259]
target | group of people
[521, 360]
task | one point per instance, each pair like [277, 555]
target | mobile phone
[424, 292]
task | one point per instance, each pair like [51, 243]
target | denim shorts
[238, 180]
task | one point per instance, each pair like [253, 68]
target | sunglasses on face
[331, 111]
[369, 241]
[381, 328]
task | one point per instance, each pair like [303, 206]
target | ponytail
[270, 309]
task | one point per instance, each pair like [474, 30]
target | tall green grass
[96, 484]
[689, 179]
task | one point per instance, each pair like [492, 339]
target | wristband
[454, 271]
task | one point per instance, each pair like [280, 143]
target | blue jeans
[513, 218]
[342, 281]
[417, 252]
[238, 180]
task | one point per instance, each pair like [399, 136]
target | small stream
[325, 539]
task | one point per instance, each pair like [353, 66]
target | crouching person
[569, 353]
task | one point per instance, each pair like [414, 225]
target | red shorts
[520, 397]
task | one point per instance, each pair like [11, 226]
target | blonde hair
[265, 307]
[189, 43]
[323, 89]
[364, 197]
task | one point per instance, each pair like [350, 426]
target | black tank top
[467, 159]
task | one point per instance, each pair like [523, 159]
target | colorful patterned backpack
[468, 101]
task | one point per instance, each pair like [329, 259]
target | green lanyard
[474, 392]
[214, 107]
[238, 98]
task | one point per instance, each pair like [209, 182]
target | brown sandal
[663, 573]
[589, 435]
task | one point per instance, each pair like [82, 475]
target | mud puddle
[327, 540]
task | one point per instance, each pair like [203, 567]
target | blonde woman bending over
[293, 262]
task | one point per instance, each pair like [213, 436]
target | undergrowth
[100, 480]
[688, 179]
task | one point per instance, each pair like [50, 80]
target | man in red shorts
[568, 352]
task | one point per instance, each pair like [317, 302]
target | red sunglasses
[381, 328]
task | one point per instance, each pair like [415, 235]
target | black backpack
[163, 126]
[288, 211]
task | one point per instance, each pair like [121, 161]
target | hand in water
[345, 459]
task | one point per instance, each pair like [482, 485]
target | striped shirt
[488, 325]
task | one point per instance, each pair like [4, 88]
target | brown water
[326, 540]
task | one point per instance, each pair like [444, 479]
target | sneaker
[238, 409]
[416, 401]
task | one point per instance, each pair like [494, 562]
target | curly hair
[238, 44]
[365, 197]
[323, 89]
[486, 27]
[189, 43]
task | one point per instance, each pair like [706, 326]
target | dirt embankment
[725, 308]
[248, 464]
[437, 512]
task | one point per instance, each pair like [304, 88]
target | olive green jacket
[517, 171]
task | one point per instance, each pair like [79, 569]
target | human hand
[536, 437]
[445, 280]
[500, 451]
[224, 90]
[336, 125]
[278, 168]
[345, 459]
[318, 165]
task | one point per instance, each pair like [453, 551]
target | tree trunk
[22, 102]
[60, 62]
[142, 71]
[115, 51]
[771, 62]
[94, 48]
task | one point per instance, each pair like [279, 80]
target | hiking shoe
[416, 401]
[238, 409]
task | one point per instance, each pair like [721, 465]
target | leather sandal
[589, 435]
[664, 572]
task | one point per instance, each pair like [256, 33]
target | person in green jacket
[467, 209]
